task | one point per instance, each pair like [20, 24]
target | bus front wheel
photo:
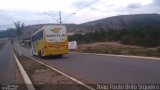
[33, 53]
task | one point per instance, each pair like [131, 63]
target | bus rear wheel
[40, 54]
[59, 56]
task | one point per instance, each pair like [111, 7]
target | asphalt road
[107, 69]
[9, 73]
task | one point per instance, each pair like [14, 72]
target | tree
[18, 27]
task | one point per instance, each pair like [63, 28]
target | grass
[120, 50]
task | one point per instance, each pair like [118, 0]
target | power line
[64, 18]
[80, 9]
[51, 16]
[86, 5]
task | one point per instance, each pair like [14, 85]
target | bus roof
[46, 26]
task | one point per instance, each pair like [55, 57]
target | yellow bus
[50, 40]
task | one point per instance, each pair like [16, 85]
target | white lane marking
[24, 75]
[72, 78]
[127, 56]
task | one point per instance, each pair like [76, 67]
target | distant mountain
[7, 34]
[140, 29]
[125, 22]
[1, 30]
[122, 22]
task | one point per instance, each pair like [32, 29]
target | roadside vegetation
[18, 27]
[117, 48]
[145, 37]
[13, 32]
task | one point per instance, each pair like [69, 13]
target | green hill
[137, 29]
[130, 22]
[140, 29]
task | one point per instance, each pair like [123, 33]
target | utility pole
[60, 18]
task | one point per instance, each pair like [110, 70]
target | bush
[132, 52]
[158, 50]
[150, 52]
[115, 51]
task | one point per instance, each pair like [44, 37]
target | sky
[32, 12]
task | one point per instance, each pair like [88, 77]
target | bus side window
[36, 36]
[33, 38]
[40, 35]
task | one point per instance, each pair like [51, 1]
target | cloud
[7, 17]
[156, 2]
[79, 4]
[33, 13]
[4, 27]
[134, 5]
[152, 7]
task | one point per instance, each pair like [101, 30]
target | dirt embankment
[106, 45]
[117, 48]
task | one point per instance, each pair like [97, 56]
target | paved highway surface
[9, 73]
[107, 69]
